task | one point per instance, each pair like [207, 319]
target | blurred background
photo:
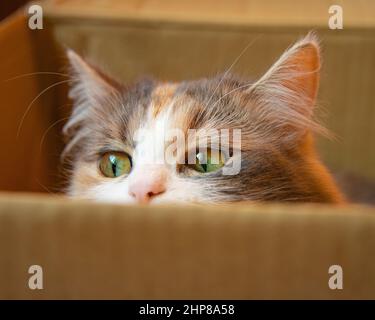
[177, 40]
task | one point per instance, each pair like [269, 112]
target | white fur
[116, 190]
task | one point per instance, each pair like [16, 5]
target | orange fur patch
[161, 96]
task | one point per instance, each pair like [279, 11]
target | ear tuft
[89, 81]
[297, 69]
[288, 90]
[90, 89]
[304, 60]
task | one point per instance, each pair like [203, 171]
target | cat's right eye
[115, 164]
[206, 162]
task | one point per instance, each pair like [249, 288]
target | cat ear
[90, 84]
[91, 90]
[289, 88]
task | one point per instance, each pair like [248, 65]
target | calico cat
[277, 158]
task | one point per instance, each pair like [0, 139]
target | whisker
[231, 67]
[36, 73]
[48, 129]
[31, 103]
[43, 186]
[232, 91]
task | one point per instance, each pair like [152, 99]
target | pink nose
[147, 184]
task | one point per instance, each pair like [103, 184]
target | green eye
[115, 164]
[209, 162]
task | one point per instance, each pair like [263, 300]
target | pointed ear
[289, 88]
[90, 84]
[91, 90]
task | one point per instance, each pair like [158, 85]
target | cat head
[257, 136]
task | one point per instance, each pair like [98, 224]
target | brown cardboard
[106, 251]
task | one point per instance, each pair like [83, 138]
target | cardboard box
[243, 251]
[248, 251]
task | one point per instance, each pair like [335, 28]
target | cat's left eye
[115, 164]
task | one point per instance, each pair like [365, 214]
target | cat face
[214, 140]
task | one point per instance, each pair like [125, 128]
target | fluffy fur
[274, 113]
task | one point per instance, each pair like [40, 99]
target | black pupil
[114, 165]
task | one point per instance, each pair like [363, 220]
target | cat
[278, 160]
